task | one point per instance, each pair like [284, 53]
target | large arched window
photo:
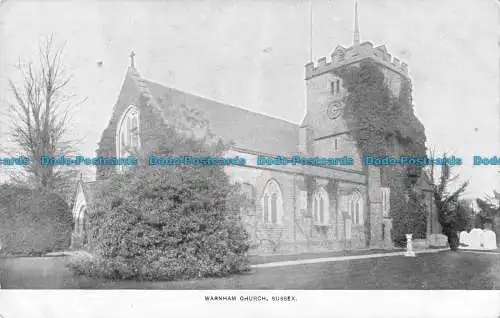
[266, 207]
[272, 203]
[356, 208]
[321, 207]
[386, 201]
[127, 135]
[80, 220]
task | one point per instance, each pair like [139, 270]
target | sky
[252, 54]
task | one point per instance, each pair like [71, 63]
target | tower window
[336, 143]
[335, 87]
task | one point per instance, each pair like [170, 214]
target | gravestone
[438, 240]
[476, 239]
[464, 238]
[489, 240]
[420, 244]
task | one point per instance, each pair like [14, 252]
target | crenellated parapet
[342, 56]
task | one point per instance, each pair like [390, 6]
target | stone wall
[297, 232]
[375, 206]
[129, 95]
[318, 99]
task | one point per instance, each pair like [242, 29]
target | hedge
[33, 222]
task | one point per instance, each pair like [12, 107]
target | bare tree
[41, 114]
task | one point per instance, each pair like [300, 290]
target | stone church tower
[324, 130]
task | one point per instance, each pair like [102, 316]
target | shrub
[33, 223]
[411, 218]
[167, 223]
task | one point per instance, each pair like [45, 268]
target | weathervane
[356, 24]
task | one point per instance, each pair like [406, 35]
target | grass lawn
[443, 270]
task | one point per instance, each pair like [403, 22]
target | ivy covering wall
[385, 125]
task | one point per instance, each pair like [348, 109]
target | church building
[295, 207]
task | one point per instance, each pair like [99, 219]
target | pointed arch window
[266, 207]
[272, 203]
[351, 211]
[128, 141]
[320, 207]
[356, 208]
[356, 211]
[127, 135]
[386, 196]
[335, 87]
[274, 208]
[80, 221]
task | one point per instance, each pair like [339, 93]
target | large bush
[32, 222]
[166, 223]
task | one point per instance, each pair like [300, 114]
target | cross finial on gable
[132, 55]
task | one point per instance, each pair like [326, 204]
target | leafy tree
[466, 215]
[451, 215]
[489, 208]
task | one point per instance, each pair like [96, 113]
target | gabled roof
[243, 128]
[89, 189]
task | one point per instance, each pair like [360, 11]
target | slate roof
[246, 129]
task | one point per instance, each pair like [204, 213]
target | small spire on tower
[356, 25]
[132, 55]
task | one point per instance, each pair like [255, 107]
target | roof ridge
[144, 90]
[218, 102]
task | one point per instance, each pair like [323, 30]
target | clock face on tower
[334, 110]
